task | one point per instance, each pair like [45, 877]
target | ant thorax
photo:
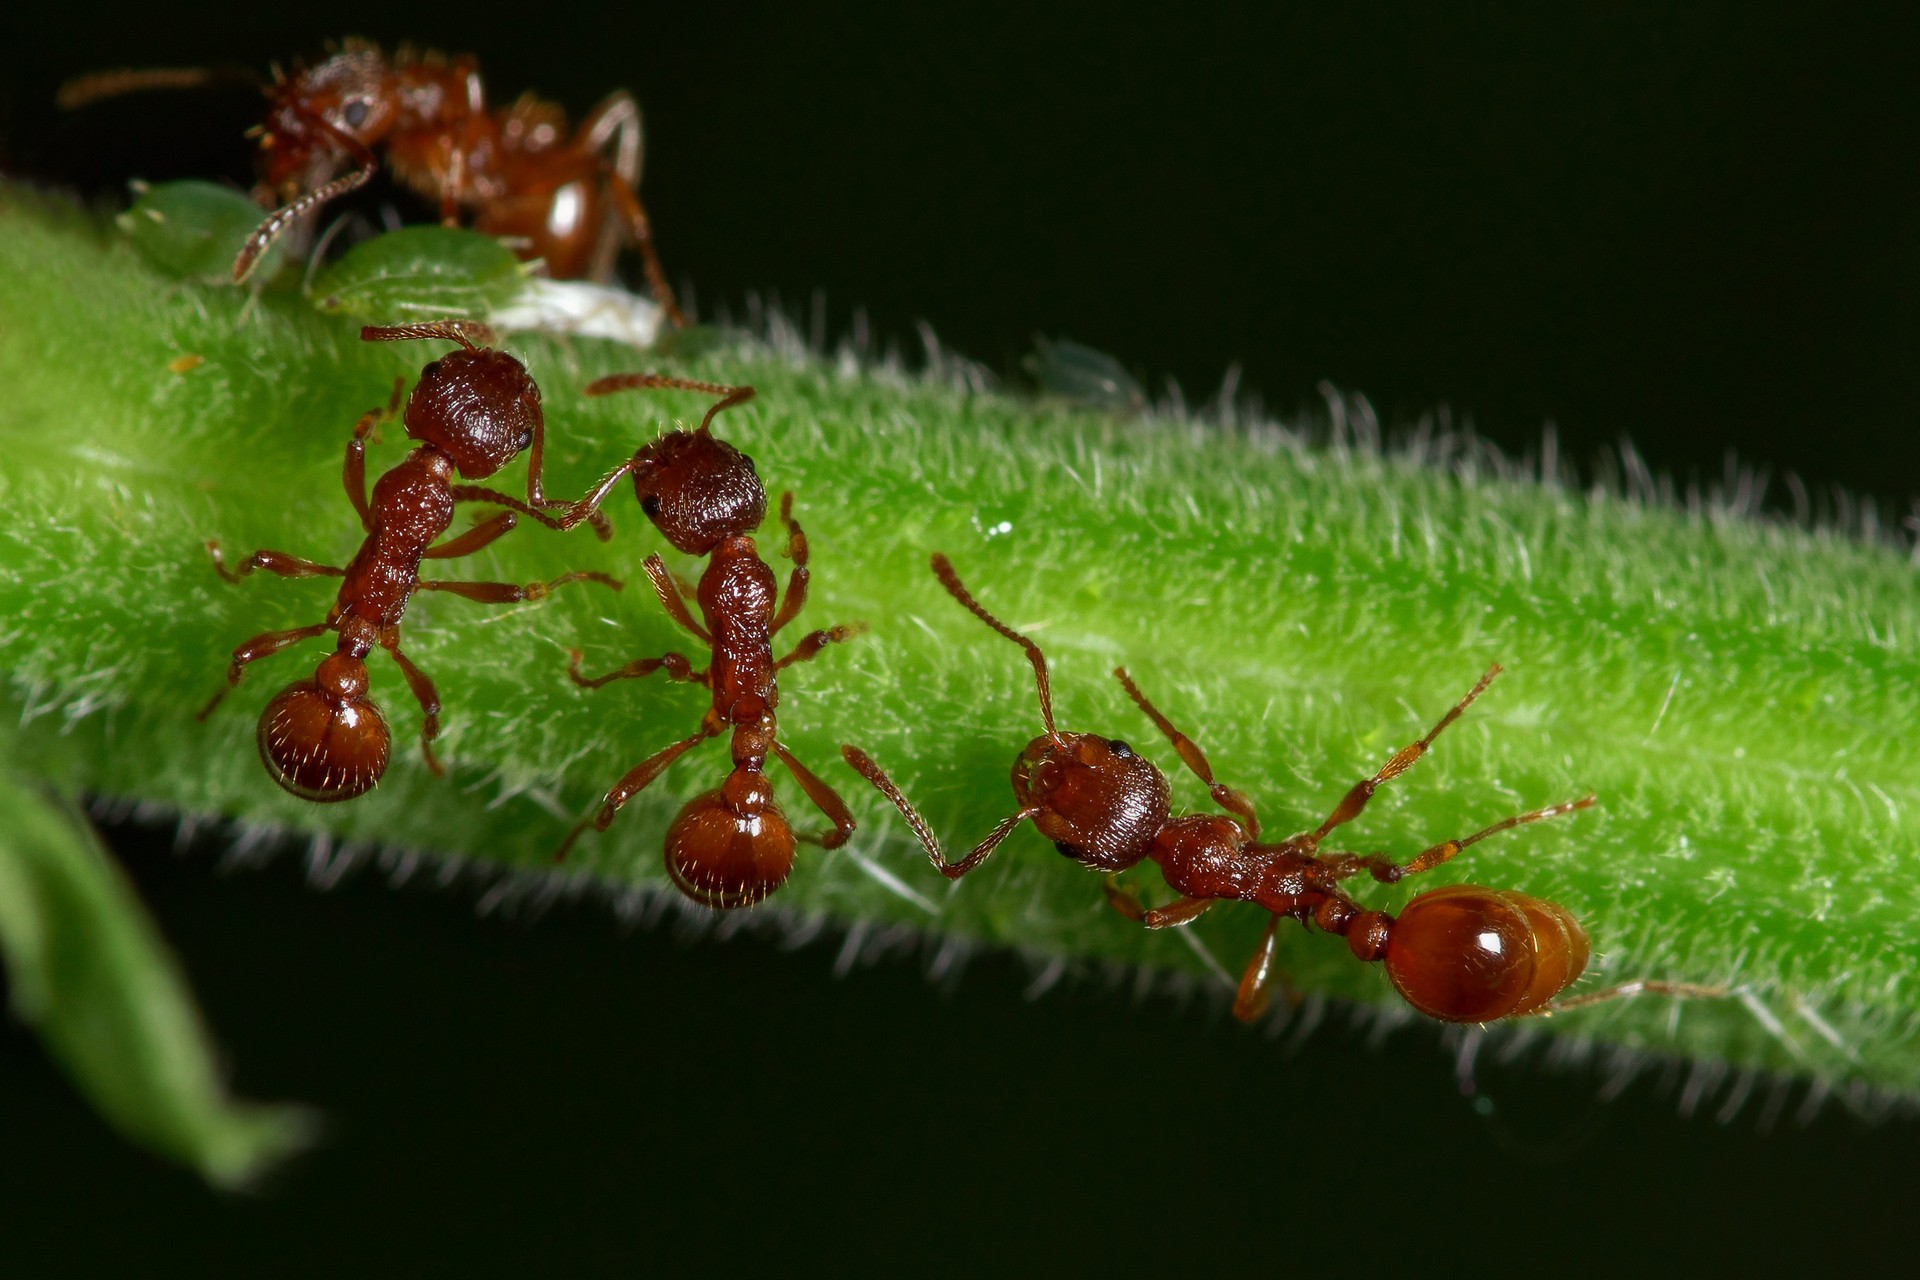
[1099, 802]
[1206, 855]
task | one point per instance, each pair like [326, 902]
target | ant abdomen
[1467, 954]
[322, 739]
[724, 855]
[1099, 802]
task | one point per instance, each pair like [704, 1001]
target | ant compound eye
[651, 506]
[524, 441]
[355, 113]
[1120, 749]
[1073, 851]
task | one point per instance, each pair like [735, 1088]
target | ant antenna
[280, 219]
[943, 570]
[729, 395]
[84, 91]
[470, 334]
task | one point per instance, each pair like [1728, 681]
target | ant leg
[636, 781]
[602, 527]
[1386, 871]
[1355, 800]
[943, 570]
[618, 119]
[264, 645]
[814, 641]
[1626, 990]
[472, 540]
[1194, 758]
[429, 699]
[824, 798]
[1181, 911]
[863, 765]
[354, 474]
[273, 562]
[667, 587]
[1253, 996]
[796, 551]
[674, 664]
[513, 593]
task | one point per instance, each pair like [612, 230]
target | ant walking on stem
[1459, 953]
[473, 411]
[566, 199]
[732, 846]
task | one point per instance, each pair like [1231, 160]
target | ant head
[479, 406]
[1100, 803]
[322, 739]
[1467, 954]
[347, 100]
[698, 490]
[731, 847]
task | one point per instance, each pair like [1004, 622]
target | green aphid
[420, 272]
[193, 230]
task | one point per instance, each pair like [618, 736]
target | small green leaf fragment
[417, 272]
[194, 230]
[89, 971]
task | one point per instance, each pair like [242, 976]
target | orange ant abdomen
[731, 847]
[322, 738]
[1467, 954]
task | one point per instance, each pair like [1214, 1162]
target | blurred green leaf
[88, 970]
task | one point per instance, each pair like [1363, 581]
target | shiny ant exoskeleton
[732, 846]
[1459, 953]
[473, 411]
[564, 198]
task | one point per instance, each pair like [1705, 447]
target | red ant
[1459, 953]
[729, 847]
[565, 199]
[473, 411]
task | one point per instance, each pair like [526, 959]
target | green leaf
[89, 971]
[1739, 693]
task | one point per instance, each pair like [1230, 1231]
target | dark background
[1699, 231]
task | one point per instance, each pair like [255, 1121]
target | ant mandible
[732, 846]
[563, 198]
[473, 411]
[1459, 954]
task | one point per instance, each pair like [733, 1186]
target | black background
[1701, 232]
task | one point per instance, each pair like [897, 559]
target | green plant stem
[1739, 694]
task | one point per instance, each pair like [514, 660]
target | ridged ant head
[322, 739]
[1100, 803]
[1467, 954]
[730, 847]
[480, 408]
[353, 92]
[698, 490]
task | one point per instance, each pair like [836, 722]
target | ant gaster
[565, 198]
[1459, 954]
[473, 411]
[732, 846]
